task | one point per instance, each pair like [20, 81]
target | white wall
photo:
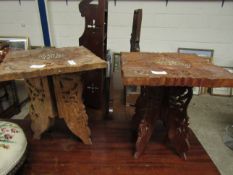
[195, 24]
[16, 20]
[181, 24]
[66, 23]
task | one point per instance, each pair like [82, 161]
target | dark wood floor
[60, 152]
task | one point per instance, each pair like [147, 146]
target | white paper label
[37, 66]
[159, 72]
[71, 62]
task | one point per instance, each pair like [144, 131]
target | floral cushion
[13, 145]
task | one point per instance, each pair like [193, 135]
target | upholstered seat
[13, 146]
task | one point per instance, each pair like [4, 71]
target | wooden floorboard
[59, 152]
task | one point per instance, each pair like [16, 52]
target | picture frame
[223, 91]
[204, 53]
[16, 43]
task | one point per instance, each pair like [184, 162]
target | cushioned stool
[13, 146]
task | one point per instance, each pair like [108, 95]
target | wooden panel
[136, 31]
[19, 64]
[95, 26]
[68, 92]
[94, 38]
[42, 107]
[177, 70]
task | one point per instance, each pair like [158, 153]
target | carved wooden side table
[53, 79]
[168, 79]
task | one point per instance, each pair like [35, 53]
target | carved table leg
[148, 110]
[140, 108]
[42, 109]
[176, 118]
[68, 92]
[168, 104]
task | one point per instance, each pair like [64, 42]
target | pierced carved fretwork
[148, 109]
[176, 118]
[42, 110]
[168, 104]
[68, 92]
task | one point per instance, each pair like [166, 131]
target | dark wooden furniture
[4, 48]
[95, 39]
[53, 78]
[168, 79]
[136, 31]
[9, 89]
[60, 153]
[132, 92]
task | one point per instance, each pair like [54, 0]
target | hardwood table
[53, 80]
[167, 80]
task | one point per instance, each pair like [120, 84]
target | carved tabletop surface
[172, 69]
[48, 61]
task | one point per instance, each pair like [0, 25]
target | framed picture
[204, 53]
[223, 91]
[16, 43]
